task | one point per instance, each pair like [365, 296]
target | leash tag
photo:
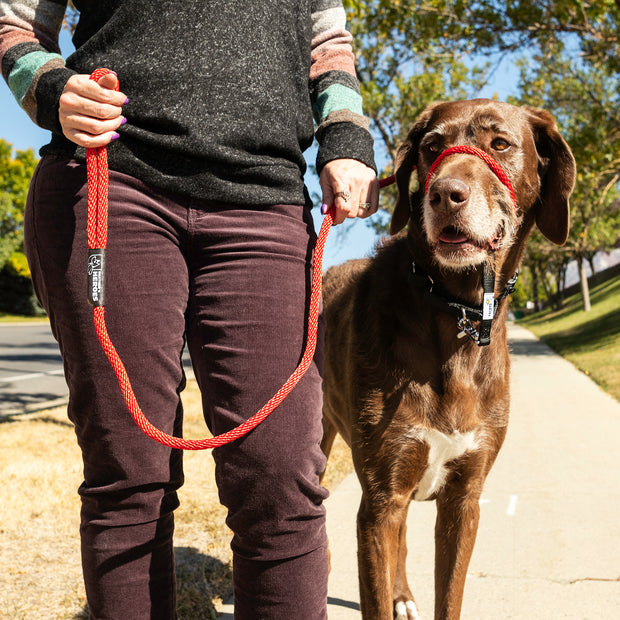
[488, 306]
[96, 276]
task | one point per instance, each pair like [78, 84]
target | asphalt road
[31, 373]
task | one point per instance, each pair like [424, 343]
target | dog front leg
[378, 542]
[458, 513]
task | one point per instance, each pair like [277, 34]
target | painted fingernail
[124, 120]
[115, 136]
[126, 101]
[323, 209]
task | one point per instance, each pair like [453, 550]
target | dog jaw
[464, 239]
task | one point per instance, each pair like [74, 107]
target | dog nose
[449, 194]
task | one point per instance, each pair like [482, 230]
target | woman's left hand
[350, 187]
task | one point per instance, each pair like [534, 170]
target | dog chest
[442, 449]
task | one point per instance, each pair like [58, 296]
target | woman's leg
[249, 292]
[130, 482]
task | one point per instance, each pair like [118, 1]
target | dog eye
[499, 144]
[433, 147]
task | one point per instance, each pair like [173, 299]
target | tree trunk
[585, 290]
[535, 298]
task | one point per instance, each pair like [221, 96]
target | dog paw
[406, 611]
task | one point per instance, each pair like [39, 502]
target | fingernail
[124, 120]
[323, 209]
[115, 136]
[126, 101]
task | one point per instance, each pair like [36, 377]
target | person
[210, 244]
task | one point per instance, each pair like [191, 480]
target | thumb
[109, 80]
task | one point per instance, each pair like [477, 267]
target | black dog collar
[465, 313]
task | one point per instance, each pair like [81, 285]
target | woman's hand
[351, 187]
[91, 112]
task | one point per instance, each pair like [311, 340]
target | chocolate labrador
[417, 365]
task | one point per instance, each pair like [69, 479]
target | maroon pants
[234, 283]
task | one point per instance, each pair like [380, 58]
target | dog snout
[449, 194]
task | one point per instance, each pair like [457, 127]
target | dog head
[467, 212]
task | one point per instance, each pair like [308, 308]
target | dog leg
[458, 513]
[404, 604]
[378, 542]
[329, 435]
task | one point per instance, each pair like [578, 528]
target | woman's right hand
[90, 112]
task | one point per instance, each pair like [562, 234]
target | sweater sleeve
[343, 130]
[30, 57]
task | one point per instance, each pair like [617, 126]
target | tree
[414, 51]
[15, 174]
[585, 102]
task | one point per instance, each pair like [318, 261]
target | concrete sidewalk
[549, 536]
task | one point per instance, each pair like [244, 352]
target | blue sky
[353, 239]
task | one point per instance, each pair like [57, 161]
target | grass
[39, 544]
[16, 318]
[590, 340]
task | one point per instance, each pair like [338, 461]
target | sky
[353, 239]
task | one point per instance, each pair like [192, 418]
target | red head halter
[472, 150]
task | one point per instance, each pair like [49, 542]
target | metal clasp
[466, 328]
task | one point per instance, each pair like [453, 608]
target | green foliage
[410, 52]
[15, 174]
[16, 295]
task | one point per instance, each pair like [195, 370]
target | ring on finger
[345, 194]
[365, 205]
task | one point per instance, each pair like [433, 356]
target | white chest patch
[443, 449]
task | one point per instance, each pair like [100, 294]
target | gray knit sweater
[221, 93]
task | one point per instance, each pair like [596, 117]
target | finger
[370, 205]
[89, 125]
[83, 86]
[343, 204]
[89, 141]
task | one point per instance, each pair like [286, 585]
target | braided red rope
[97, 231]
[491, 163]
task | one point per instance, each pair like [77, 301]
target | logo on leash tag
[96, 271]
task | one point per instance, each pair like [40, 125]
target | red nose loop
[491, 163]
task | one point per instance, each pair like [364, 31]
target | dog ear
[557, 172]
[406, 161]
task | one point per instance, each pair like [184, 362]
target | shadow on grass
[586, 337]
[200, 580]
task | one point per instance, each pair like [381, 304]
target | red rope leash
[97, 230]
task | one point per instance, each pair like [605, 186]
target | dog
[416, 376]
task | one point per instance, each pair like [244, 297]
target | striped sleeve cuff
[344, 140]
[37, 78]
[343, 130]
[30, 59]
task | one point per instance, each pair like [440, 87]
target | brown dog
[423, 408]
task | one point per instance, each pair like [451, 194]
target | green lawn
[590, 340]
[17, 318]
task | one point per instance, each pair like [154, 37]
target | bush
[16, 292]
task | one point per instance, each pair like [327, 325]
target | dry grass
[40, 574]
